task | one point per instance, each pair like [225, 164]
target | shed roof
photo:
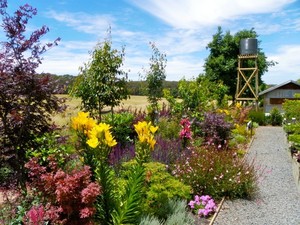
[279, 86]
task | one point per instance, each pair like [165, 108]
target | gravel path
[278, 200]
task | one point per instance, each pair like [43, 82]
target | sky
[179, 28]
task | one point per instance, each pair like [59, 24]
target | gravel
[278, 199]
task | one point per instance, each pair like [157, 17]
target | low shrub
[257, 116]
[67, 198]
[122, 126]
[216, 130]
[275, 117]
[217, 173]
[160, 186]
[291, 109]
[177, 214]
[168, 129]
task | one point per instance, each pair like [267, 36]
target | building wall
[276, 97]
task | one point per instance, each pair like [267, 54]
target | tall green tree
[222, 62]
[102, 81]
[155, 77]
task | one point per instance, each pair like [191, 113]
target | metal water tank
[248, 46]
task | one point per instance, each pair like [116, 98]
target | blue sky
[180, 28]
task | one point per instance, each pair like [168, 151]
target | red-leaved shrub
[70, 195]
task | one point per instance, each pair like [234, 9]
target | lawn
[73, 107]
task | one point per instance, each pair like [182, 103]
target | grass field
[134, 102]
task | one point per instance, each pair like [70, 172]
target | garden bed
[296, 171]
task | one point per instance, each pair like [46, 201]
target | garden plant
[124, 167]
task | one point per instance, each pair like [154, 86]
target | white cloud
[288, 67]
[83, 22]
[188, 14]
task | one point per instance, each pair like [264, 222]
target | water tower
[247, 71]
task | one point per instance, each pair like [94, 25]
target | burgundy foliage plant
[26, 100]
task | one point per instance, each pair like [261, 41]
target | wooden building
[275, 96]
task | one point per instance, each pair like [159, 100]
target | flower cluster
[145, 133]
[203, 205]
[83, 123]
[100, 135]
[185, 133]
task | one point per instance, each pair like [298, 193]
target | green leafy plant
[102, 82]
[160, 187]
[275, 117]
[177, 214]
[291, 109]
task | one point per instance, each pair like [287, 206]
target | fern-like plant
[128, 210]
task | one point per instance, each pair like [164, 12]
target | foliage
[291, 109]
[216, 130]
[217, 173]
[50, 144]
[155, 78]
[275, 117]
[168, 128]
[221, 63]
[185, 134]
[257, 116]
[166, 151]
[203, 205]
[122, 126]
[101, 82]
[26, 101]
[177, 214]
[199, 94]
[68, 196]
[129, 209]
[159, 187]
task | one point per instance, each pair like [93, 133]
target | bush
[275, 117]
[291, 109]
[168, 128]
[215, 129]
[122, 126]
[160, 186]
[257, 116]
[217, 173]
[68, 197]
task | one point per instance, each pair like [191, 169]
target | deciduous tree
[26, 100]
[102, 81]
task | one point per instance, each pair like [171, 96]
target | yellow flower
[151, 142]
[153, 129]
[102, 134]
[110, 141]
[93, 142]
[82, 122]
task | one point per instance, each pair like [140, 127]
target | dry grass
[134, 102]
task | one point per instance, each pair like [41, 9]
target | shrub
[26, 99]
[68, 197]
[275, 117]
[292, 109]
[216, 173]
[122, 126]
[215, 129]
[177, 214]
[159, 187]
[168, 128]
[167, 151]
[257, 116]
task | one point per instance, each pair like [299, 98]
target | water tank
[248, 46]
